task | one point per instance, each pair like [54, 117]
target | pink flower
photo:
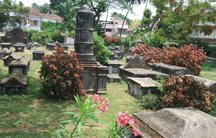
[123, 119]
[135, 132]
[101, 104]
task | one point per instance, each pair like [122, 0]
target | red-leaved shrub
[150, 54]
[61, 75]
[112, 40]
[188, 56]
[185, 91]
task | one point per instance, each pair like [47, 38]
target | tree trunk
[107, 16]
[125, 19]
[141, 26]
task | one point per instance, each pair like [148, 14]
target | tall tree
[45, 8]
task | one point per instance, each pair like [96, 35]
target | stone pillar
[94, 75]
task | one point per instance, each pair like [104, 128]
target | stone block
[170, 69]
[20, 65]
[8, 59]
[176, 123]
[113, 78]
[38, 55]
[138, 87]
[5, 52]
[136, 61]
[5, 45]
[19, 47]
[114, 66]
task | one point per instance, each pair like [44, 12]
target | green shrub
[42, 37]
[150, 101]
[61, 75]
[185, 91]
[101, 52]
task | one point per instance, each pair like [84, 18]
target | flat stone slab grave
[138, 87]
[38, 55]
[114, 66]
[176, 123]
[209, 83]
[170, 69]
[113, 78]
[139, 73]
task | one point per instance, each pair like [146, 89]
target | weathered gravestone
[62, 45]
[5, 45]
[176, 123]
[16, 36]
[20, 65]
[94, 74]
[50, 46]
[113, 78]
[4, 52]
[209, 83]
[138, 87]
[114, 66]
[8, 59]
[15, 83]
[19, 47]
[136, 67]
[170, 69]
[38, 54]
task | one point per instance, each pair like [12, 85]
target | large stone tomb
[136, 67]
[15, 83]
[94, 74]
[16, 36]
[176, 123]
[209, 83]
[170, 69]
[20, 65]
[138, 87]
[113, 78]
[8, 59]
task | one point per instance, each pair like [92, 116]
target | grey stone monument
[94, 74]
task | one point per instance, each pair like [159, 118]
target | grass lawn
[32, 116]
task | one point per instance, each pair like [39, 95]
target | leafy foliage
[42, 37]
[150, 101]
[150, 54]
[61, 75]
[101, 52]
[112, 40]
[188, 56]
[184, 91]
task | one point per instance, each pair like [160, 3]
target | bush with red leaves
[185, 91]
[188, 56]
[111, 40]
[150, 54]
[61, 75]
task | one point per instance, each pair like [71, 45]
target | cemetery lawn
[32, 116]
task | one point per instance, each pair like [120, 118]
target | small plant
[184, 91]
[84, 116]
[61, 75]
[112, 40]
[121, 126]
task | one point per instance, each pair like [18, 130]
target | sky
[137, 10]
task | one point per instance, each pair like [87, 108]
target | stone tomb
[176, 123]
[20, 65]
[209, 83]
[19, 47]
[118, 54]
[17, 35]
[170, 69]
[113, 78]
[38, 55]
[5, 45]
[138, 87]
[50, 46]
[136, 67]
[94, 74]
[8, 59]
[114, 66]
[5, 52]
[15, 83]
[62, 45]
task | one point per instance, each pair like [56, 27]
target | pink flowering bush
[101, 103]
[121, 126]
